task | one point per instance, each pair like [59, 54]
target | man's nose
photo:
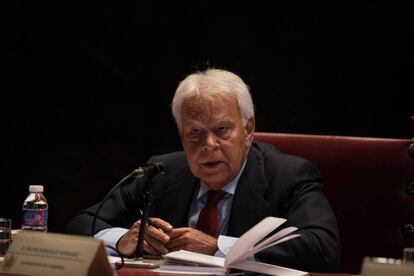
[210, 143]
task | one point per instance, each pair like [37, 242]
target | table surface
[128, 271]
[134, 271]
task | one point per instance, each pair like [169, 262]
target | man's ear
[180, 133]
[250, 128]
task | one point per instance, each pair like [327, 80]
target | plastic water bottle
[35, 210]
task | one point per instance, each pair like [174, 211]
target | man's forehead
[205, 104]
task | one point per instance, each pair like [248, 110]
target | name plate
[35, 253]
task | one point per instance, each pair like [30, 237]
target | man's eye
[222, 131]
[195, 132]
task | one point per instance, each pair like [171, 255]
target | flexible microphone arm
[95, 215]
[148, 170]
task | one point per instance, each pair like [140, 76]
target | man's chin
[214, 181]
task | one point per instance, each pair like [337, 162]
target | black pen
[151, 223]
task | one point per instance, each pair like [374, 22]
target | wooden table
[128, 271]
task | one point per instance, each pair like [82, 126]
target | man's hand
[192, 240]
[155, 238]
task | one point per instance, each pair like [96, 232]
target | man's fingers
[193, 240]
[161, 224]
[179, 238]
[157, 228]
[176, 232]
[177, 244]
[156, 245]
[157, 234]
[149, 249]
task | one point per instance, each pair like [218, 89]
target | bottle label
[34, 217]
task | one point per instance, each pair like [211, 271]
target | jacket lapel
[249, 204]
[172, 203]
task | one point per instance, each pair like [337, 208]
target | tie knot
[214, 196]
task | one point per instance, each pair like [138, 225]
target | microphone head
[160, 167]
[151, 170]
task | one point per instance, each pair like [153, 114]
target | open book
[247, 245]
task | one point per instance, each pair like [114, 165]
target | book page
[254, 250]
[248, 244]
[193, 270]
[192, 258]
[247, 241]
[225, 243]
[267, 269]
[277, 236]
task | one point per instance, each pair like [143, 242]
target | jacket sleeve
[298, 185]
[120, 209]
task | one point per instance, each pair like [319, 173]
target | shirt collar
[230, 188]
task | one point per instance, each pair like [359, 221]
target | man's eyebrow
[225, 122]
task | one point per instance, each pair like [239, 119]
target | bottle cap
[36, 188]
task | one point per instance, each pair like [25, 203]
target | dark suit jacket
[272, 184]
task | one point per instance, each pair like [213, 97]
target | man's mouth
[212, 164]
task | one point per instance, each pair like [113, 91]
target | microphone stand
[147, 173]
[147, 198]
[150, 171]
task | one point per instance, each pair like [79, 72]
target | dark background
[88, 84]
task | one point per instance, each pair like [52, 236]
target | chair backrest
[370, 185]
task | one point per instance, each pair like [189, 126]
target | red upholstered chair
[370, 184]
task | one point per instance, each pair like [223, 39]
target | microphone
[150, 170]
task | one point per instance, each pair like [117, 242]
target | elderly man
[221, 162]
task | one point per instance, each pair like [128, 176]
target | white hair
[210, 83]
